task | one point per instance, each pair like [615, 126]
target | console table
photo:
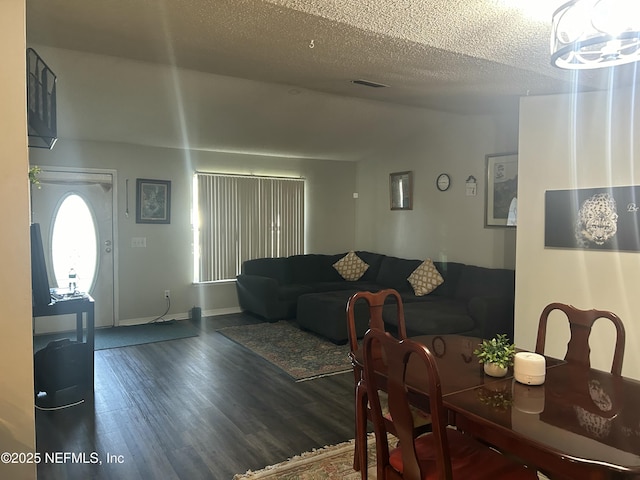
[82, 307]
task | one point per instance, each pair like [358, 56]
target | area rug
[128, 335]
[302, 355]
[329, 463]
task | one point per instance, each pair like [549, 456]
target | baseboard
[141, 321]
[179, 316]
[221, 311]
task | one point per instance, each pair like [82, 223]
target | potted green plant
[496, 354]
[33, 175]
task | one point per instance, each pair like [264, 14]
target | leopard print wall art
[604, 218]
[597, 220]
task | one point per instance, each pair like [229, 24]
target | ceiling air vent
[368, 83]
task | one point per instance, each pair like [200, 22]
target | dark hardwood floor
[194, 408]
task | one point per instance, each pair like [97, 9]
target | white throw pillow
[426, 278]
[351, 267]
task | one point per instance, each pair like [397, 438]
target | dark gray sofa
[472, 300]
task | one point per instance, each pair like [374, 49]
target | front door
[75, 211]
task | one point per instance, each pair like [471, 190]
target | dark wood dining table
[581, 423]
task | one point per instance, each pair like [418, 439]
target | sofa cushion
[343, 285]
[313, 268]
[325, 314]
[441, 317]
[373, 260]
[351, 267]
[451, 272]
[395, 271]
[490, 282]
[293, 291]
[277, 268]
[425, 278]
[410, 297]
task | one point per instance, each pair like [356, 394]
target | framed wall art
[606, 218]
[153, 201]
[501, 194]
[401, 190]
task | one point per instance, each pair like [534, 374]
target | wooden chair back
[396, 354]
[580, 324]
[376, 302]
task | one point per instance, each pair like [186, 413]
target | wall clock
[443, 182]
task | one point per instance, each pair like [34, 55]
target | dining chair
[375, 302]
[580, 323]
[444, 453]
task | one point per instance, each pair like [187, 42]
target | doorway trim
[53, 169]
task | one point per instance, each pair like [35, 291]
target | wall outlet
[167, 293]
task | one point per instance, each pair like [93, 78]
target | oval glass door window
[74, 245]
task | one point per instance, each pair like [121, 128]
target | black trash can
[196, 316]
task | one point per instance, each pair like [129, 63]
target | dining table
[581, 423]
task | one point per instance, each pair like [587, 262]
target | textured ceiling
[297, 60]
[445, 54]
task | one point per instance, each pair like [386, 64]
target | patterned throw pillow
[425, 278]
[351, 267]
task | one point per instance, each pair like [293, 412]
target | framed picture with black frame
[153, 201]
[501, 194]
[401, 190]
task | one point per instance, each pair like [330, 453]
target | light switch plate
[139, 242]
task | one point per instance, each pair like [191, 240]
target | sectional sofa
[312, 291]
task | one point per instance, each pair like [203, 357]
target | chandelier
[595, 34]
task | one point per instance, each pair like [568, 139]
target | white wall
[442, 225]
[568, 142]
[17, 427]
[125, 115]
[126, 101]
[166, 262]
[131, 116]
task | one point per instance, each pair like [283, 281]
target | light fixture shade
[595, 34]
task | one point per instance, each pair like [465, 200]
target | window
[74, 244]
[237, 218]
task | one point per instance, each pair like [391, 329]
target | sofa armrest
[264, 287]
[493, 315]
[259, 295]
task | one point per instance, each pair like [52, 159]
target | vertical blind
[245, 217]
